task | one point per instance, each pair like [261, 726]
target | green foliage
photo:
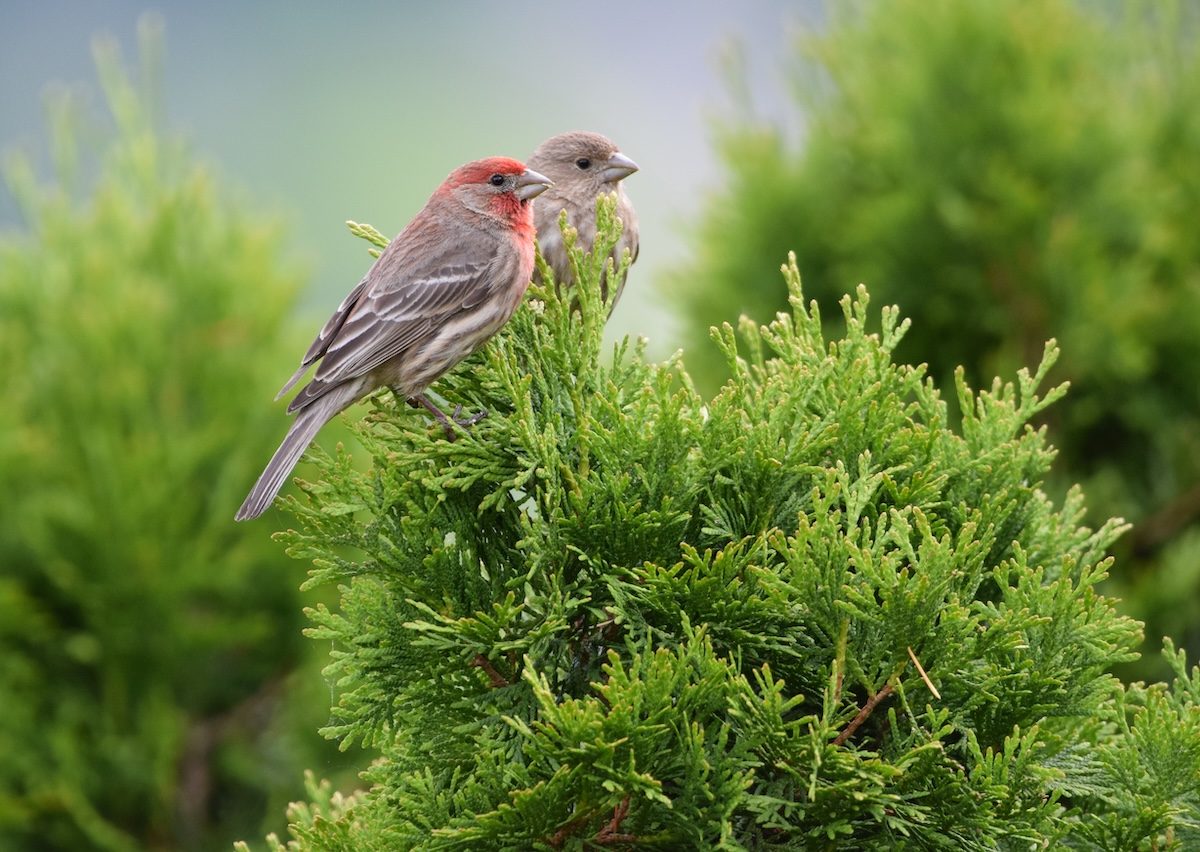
[146, 642]
[617, 615]
[1008, 171]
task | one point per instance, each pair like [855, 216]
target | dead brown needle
[924, 676]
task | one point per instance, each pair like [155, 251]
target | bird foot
[448, 423]
[468, 421]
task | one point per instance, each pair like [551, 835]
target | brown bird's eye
[496, 180]
[583, 163]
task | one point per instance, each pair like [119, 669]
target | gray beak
[530, 184]
[618, 167]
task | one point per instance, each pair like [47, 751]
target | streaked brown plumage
[583, 166]
[441, 288]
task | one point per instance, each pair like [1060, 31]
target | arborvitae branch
[866, 711]
[689, 614]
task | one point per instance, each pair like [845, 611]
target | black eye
[496, 180]
[583, 163]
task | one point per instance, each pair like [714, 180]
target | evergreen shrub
[807, 612]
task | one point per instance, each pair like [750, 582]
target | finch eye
[583, 163]
[496, 180]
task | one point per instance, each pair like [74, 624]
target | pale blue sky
[322, 114]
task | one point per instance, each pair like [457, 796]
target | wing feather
[328, 331]
[392, 315]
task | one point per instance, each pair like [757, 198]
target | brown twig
[559, 837]
[857, 721]
[497, 679]
[611, 833]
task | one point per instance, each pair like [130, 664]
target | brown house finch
[441, 288]
[582, 165]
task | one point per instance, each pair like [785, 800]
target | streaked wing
[629, 234]
[328, 331]
[633, 247]
[392, 317]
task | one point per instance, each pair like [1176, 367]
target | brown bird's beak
[617, 168]
[530, 184]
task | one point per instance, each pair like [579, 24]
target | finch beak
[617, 168]
[530, 184]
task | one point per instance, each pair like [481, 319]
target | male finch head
[583, 166]
[449, 281]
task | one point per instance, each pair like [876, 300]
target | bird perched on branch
[448, 282]
[583, 166]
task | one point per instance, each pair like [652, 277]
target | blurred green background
[1005, 172]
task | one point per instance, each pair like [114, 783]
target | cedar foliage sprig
[806, 613]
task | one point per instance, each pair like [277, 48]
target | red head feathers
[481, 171]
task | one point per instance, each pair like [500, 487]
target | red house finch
[582, 165]
[441, 288]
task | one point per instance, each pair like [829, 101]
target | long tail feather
[291, 383]
[308, 422]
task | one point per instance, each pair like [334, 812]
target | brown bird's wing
[327, 333]
[392, 314]
[629, 224]
[633, 245]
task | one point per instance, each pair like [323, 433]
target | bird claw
[448, 422]
[468, 421]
